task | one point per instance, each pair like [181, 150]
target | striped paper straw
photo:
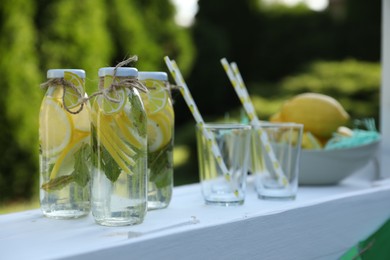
[244, 91]
[239, 86]
[176, 74]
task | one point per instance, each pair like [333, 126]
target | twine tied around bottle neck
[125, 82]
[61, 82]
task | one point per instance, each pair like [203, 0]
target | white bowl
[328, 167]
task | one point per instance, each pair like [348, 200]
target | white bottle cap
[157, 75]
[120, 72]
[59, 73]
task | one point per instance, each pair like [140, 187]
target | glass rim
[278, 124]
[224, 125]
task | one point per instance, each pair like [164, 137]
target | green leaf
[57, 183]
[81, 171]
[161, 166]
[109, 166]
[138, 114]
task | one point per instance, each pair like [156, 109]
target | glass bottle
[159, 110]
[119, 143]
[64, 146]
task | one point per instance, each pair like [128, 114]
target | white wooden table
[322, 223]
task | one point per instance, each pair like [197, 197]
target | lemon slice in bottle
[118, 96]
[127, 129]
[160, 114]
[112, 107]
[159, 132]
[155, 136]
[157, 97]
[72, 97]
[81, 121]
[55, 127]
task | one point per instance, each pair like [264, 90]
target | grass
[19, 206]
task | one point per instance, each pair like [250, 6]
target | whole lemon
[320, 114]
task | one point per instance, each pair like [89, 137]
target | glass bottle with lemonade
[119, 144]
[159, 110]
[64, 146]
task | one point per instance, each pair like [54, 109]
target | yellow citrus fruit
[109, 107]
[55, 127]
[72, 97]
[159, 130]
[160, 114]
[168, 111]
[165, 116]
[157, 97]
[134, 138]
[65, 160]
[309, 141]
[81, 121]
[127, 130]
[157, 136]
[118, 96]
[276, 118]
[345, 131]
[320, 114]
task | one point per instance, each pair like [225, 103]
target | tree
[222, 29]
[73, 34]
[272, 42]
[42, 34]
[171, 40]
[19, 100]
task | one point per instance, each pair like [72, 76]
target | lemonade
[64, 140]
[119, 171]
[159, 109]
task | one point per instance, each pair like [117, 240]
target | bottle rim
[120, 72]
[156, 75]
[59, 73]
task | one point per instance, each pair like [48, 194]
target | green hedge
[354, 83]
[37, 35]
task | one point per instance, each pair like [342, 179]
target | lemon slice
[157, 97]
[127, 130]
[309, 141]
[65, 160]
[109, 107]
[160, 121]
[155, 136]
[119, 95]
[72, 98]
[169, 114]
[55, 127]
[159, 132]
[81, 121]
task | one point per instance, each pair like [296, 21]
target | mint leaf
[161, 166]
[109, 166]
[138, 114]
[57, 183]
[81, 171]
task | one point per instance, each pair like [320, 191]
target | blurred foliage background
[281, 51]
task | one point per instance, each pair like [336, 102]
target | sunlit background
[186, 9]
